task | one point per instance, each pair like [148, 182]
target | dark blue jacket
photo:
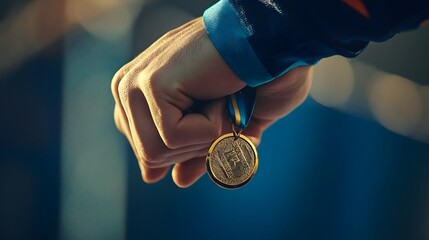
[262, 39]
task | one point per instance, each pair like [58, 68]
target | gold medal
[232, 161]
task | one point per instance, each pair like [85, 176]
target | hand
[278, 98]
[170, 103]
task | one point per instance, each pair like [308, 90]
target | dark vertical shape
[30, 138]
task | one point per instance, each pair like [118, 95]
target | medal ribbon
[240, 106]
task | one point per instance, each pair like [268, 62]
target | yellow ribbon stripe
[236, 110]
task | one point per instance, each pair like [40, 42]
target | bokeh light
[329, 172]
[155, 21]
[105, 19]
[333, 82]
[423, 131]
[396, 103]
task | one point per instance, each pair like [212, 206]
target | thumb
[203, 126]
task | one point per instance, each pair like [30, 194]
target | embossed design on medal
[232, 161]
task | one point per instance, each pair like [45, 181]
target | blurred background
[351, 163]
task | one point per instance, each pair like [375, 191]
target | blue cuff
[229, 36]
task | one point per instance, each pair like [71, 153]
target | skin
[170, 103]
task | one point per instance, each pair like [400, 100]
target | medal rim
[208, 159]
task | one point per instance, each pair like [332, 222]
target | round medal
[232, 161]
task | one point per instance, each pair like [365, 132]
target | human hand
[278, 98]
[170, 103]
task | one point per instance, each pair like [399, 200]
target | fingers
[133, 118]
[281, 96]
[154, 94]
[184, 174]
[149, 175]
[152, 175]
[178, 130]
[195, 128]
[146, 138]
[187, 173]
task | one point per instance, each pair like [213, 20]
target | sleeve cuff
[229, 36]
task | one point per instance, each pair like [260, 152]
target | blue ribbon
[240, 106]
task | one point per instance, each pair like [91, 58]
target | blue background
[323, 174]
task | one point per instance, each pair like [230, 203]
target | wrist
[229, 37]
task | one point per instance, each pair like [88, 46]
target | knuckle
[151, 81]
[151, 156]
[116, 80]
[124, 90]
[158, 78]
[171, 140]
[124, 87]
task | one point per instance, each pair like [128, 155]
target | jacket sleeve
[263, 39]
